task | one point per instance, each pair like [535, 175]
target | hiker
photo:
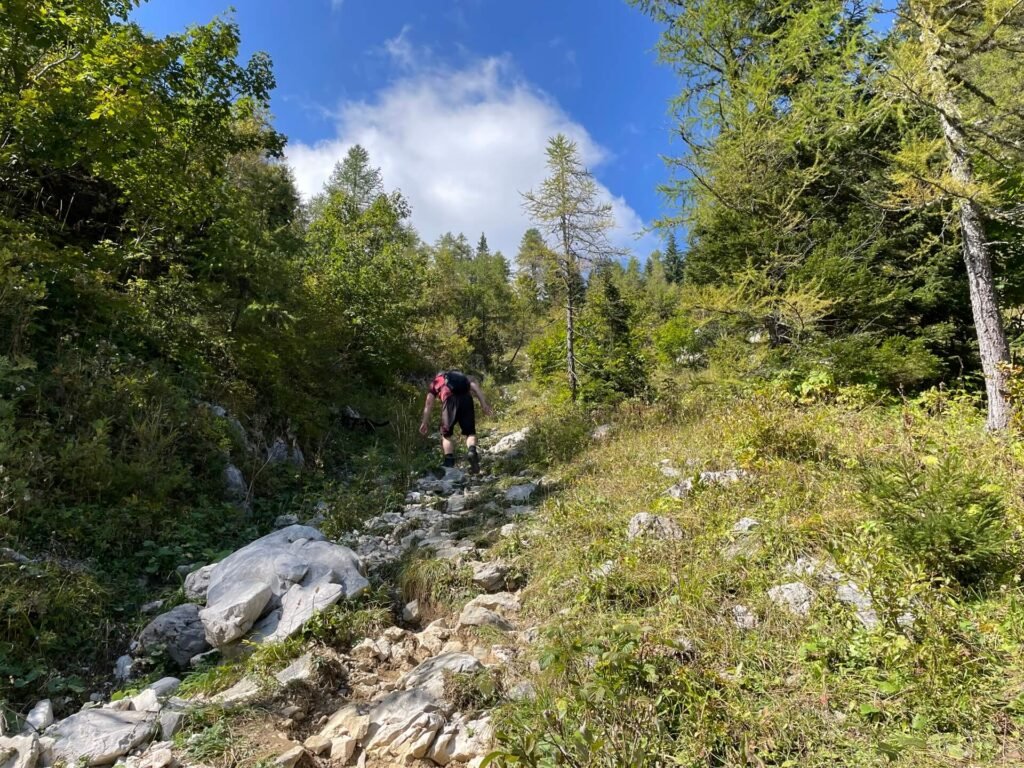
[456, 391]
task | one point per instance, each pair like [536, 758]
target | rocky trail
[410, 694]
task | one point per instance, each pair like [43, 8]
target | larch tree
[955, 71]
[568, 209]
[359, 180]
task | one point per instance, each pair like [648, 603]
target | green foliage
[437, 584]
[155, 257]
[343, 624]
[631, 691]
[471, 692]
[212, 680]
[50, 612]
[557, 435]
[945, 515]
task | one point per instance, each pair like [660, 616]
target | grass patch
[641, 661]
[437, 584]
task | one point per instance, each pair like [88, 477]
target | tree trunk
[570, 344]
[992, 343]
[570, 309]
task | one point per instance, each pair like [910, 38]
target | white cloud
[461, 144]
[400, 49]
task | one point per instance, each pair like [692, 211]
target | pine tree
[673, 260]
[566, 207]
[482, 249]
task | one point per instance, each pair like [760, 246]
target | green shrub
[437, 584]
[558, 435]
[945, 515]
[472, 692]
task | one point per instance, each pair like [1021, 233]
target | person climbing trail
[456, 391]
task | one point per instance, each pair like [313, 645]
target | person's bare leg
[448, 446]
[471, 441]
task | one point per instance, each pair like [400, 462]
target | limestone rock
[300, 670]
[296, 556]
[517, 494]
[165, 686]
[158, 756]
[433, 638]
[290, 758]
[602, 432]
[342, 749]
[511, 445]
[680, 491]
[318, 745]
[179, 631]
[411, 612]
[462, 740]
[351, 721]
[404, 741]
[100, 736]
[123, 668]
[852, 595]
[39, 718]
[283, 521]
[476, 616]
[645, 524]
[234, 612]
[171, 723]
[490, 576]
[19, 751]
[151, 607]
[235, 486]
[504, 603]
[431, 673]
[242, 692]
[145, 701]
[743, 617]
[796, 597]
[198, 582]
[745, 525]
[300, 603]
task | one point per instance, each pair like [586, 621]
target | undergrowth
[642, 663]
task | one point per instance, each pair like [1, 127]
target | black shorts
[458, 409]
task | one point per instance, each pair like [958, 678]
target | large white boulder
[179, 631]
[235, 612]
[286, 576]
[19, 751]
[100, 736]
[38, 719]
[197, 582]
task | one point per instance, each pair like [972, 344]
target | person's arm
[475, 389]
[428, 407]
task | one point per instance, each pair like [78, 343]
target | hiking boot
[449, 460]
[474, 463]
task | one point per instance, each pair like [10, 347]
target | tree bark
[570, 345]
[570, 309]
[992, 343]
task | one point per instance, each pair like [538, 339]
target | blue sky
[455, 99]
